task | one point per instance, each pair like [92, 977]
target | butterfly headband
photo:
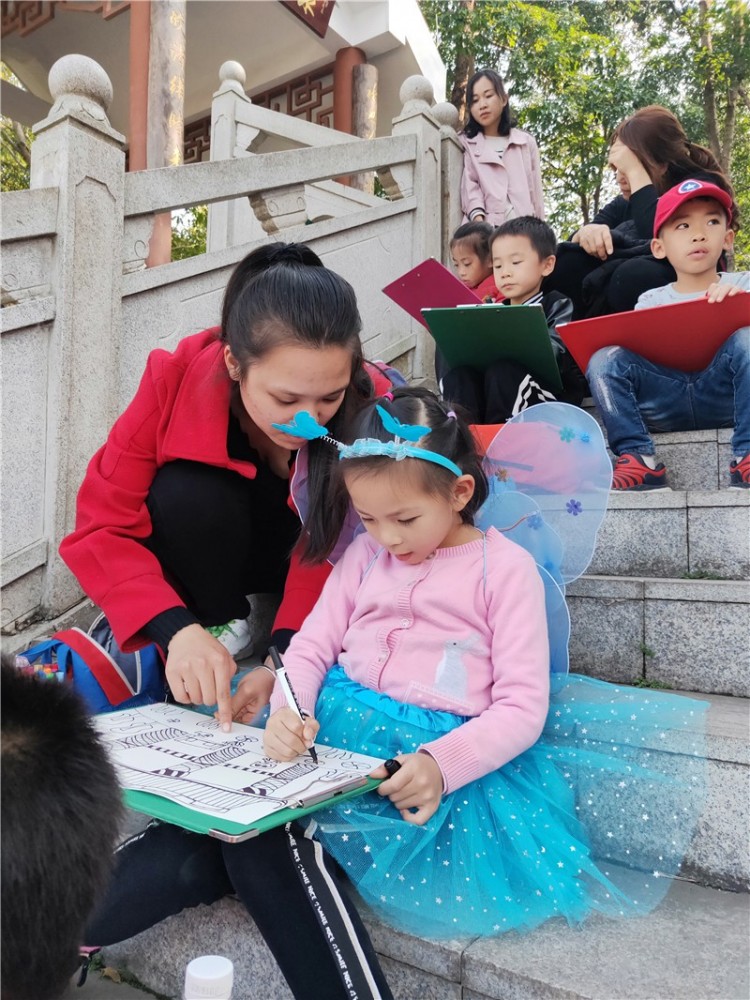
[305, 426]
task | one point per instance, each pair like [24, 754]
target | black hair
[281, 293]
[477, 236]
[472, 127]
[449, 436]
[61, 811]
[538, 232]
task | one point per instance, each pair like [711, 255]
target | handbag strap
[106, 671]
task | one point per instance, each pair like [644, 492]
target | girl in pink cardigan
[501, 177]
[429, 647]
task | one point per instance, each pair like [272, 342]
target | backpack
[104, 676]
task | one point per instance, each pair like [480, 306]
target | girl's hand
[253, 694]
[286, 736]
[418, 785]
[721, 290]
[624, 160]
[595, 239]
[199, 671]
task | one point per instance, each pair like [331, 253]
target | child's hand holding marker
[413, 782]
[289, 732]
[286, 735]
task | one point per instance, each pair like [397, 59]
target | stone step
[693, 947]
[695, 460]
[691, 635]
[718, 855]
[675, 533]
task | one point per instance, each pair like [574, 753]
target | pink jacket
[478, 650]
[502, 188]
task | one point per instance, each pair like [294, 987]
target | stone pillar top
[232, 75]
[447, 114]
[80, 88]
[416, 95]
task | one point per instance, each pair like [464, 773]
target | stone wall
[81, 311]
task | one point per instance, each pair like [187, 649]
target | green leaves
[575, 68]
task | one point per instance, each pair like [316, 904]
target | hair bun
[292, 253]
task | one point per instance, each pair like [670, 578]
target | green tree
[189, 230]
[575, 68]
[15, 147]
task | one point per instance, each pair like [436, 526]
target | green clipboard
[480, 335]
[164, 808]
[190, 819]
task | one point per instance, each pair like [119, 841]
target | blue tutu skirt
[596, 816]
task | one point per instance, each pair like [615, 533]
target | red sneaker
[739, 474]
[630, 473]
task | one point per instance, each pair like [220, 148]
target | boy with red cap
[691, 230]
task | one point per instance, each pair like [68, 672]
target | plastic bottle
[209, 977]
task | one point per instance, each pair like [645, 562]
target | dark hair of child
[538, 232]
[472, 126]
[476, 236]
[449, 436]
[61, 812]
[282, 294]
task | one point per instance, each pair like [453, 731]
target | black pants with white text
[292, 889]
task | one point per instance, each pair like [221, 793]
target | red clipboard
[429, 285]
[682, 335]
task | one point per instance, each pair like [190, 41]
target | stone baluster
[451, 167]
[423, 181]
[231, 222]
[78, 152]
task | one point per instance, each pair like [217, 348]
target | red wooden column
[343, 90]
[343, 86]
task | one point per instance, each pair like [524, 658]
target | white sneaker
[235, 636]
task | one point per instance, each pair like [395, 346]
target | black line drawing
[173, 752]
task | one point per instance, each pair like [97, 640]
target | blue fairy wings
[549, 476]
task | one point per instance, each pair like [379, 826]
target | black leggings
[495, 395]
[629, 279]
[220, 536]
[292, 889]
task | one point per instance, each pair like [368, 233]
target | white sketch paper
[184, 756]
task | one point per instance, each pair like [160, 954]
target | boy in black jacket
[523, 253]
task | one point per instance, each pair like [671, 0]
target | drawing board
[429, 285]
[480, 335]
[179, 766]
[682, 335]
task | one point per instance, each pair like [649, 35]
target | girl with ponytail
[184, 511]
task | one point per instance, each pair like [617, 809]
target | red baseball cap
[680, 193]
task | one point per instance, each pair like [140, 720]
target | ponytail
[700, 159]
[328, 501]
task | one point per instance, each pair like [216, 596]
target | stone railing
[81, 311]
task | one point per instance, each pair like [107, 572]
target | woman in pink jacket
[502, 177]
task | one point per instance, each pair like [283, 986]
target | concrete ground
[98, 987]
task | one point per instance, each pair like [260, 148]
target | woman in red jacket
[184, 511]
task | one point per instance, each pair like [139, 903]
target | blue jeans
[635, 396]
